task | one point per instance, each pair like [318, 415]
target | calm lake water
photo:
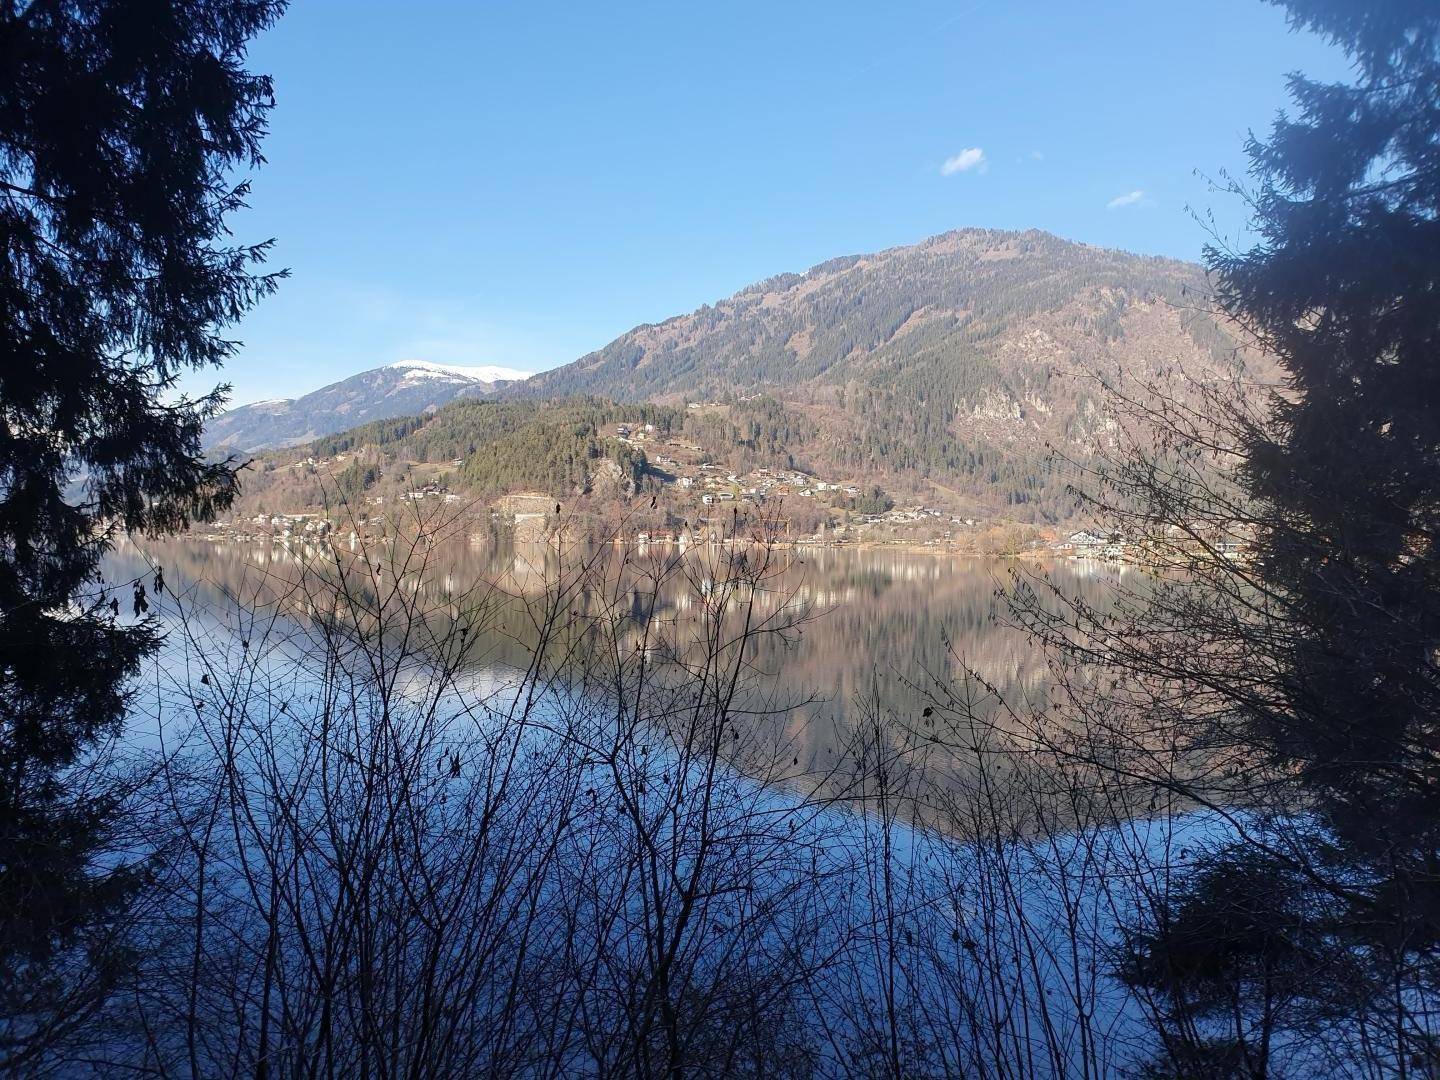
[876, 630]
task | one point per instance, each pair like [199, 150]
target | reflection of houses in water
[1102, 570]
[870, 622]
[531, 570]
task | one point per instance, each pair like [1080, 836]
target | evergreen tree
[122, 124]
[1344, 291]
[1294, 688]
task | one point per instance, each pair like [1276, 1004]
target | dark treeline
[122, 128]
[464, 428]
[488, 448]
[754, 432]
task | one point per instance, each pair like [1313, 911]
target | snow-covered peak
[424, 369]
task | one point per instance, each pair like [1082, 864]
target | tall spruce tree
[1344, 291]
[1331, 673]
[122, 125]
[1294, 689]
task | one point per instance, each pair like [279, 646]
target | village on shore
[703, 503]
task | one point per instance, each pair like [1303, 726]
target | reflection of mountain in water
[878, 627]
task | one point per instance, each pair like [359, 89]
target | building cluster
[635, 434]
[264, 527]
[429, 491]
[1093, 544]
[716, 484]
[683, 464]
[685, 468]
[1170, 545]
[926, 515]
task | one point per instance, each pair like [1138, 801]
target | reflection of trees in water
[876, 629]
[382, 859]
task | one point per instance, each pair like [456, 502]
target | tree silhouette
[1285, 676]
[122, 125]
[1344, 290]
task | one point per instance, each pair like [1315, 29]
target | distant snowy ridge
[488, 374]
[404, 388]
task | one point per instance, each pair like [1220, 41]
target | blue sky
[518, 183]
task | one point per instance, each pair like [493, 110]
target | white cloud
[971, 158]
[1130, 198]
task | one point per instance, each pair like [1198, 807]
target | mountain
[407, 388]
[952, 365]
[957, 373]
[990, 313]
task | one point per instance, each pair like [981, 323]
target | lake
[853, 633]
[571, 832]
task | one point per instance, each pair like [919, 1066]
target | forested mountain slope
[956, 359]
[952, 373]
[982, 306]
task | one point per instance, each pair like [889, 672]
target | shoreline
[904, 547]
